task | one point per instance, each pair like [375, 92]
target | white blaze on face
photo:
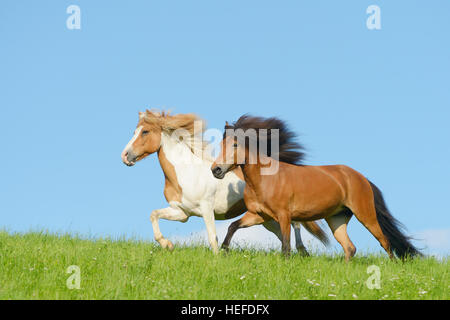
[130, 144]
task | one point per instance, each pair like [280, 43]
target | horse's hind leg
[298, 239]
[361, 202]
[274, 227]
[249, 219]
[366, 214]
[338, 225]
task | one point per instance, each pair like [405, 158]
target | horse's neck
[167, 167]
[252, 175]
[252, 171]
[182, 169]
[178, 154]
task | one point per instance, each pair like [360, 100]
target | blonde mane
[170, 123]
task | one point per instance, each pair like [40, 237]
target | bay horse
[190, 188]
[297, 192]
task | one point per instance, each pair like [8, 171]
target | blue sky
[376, 100]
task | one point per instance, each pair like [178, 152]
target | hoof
[302, 252]
[166, 244]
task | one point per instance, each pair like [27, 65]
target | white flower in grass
[313, 282]
[242, 277]
[355, 296]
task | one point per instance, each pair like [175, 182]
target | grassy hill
[34, 265]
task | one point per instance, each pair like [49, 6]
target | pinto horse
[296, 192]
[190, 188]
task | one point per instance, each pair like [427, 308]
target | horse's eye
[144, 133]
[235, 145]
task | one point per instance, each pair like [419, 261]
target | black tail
[314, 228]
[400, 243]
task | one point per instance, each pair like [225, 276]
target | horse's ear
[141, 114]
[227, 124]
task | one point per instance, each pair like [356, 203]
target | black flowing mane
[290, 151]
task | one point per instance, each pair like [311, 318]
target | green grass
[33, 266]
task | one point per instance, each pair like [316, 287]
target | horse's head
[257, 140]
[232, 154]
[146, 140]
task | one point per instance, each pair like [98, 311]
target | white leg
[298, 239]
[172, 213]
[211, 229]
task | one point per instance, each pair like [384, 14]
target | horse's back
[345, 176]
[309, 192]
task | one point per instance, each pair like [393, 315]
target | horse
[190, 188]
[298, 192]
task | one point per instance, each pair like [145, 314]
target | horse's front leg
[208, 217]
[249, 219]
[284, 219]
[173, 213]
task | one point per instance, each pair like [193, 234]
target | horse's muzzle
[129, 158]
[218, 172]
